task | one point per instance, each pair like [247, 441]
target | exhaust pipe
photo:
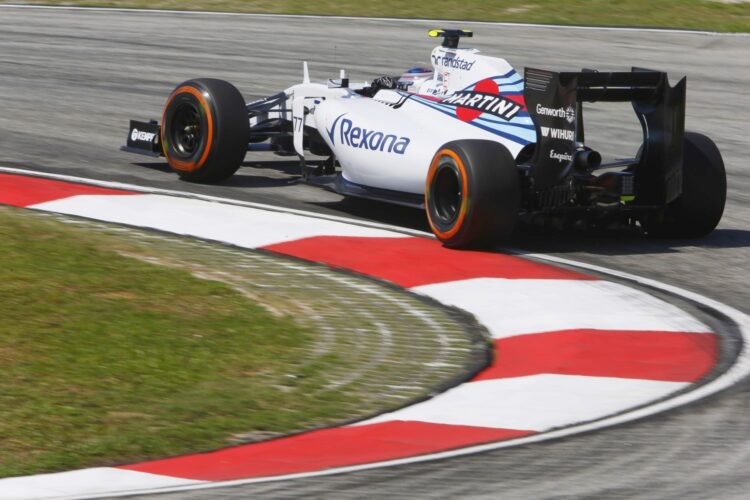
[587, 159]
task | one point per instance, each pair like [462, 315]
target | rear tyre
[472, 193]
[205, 130]
[699, 208]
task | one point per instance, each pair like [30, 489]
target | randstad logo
[344, 132]
[452, 61]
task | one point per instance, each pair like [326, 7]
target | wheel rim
[447, 193]
[186, 129]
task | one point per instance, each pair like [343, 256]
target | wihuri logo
[558, 133]
[344, 132]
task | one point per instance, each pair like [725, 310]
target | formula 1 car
[469, 140]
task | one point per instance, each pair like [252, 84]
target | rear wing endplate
[554, 101]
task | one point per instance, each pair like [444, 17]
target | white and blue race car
[470, 140]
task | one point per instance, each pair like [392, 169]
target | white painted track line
[510, 307]
[537, 402]
[247, 227]
[96, 481]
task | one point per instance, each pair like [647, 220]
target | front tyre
[698, 210]
[472, 193]
[205, 130]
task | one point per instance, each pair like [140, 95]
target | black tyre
[699, 208]
[205, 130]
[472, 194]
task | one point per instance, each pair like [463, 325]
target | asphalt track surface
[70, 80]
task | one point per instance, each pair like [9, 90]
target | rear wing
[554, 101]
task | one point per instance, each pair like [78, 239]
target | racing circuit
[66, 109]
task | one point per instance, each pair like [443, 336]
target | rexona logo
[560, 157]
[568, 113]
[452, 62]
[558, 133]
[483, 98]
[140, 135]
[344, 132]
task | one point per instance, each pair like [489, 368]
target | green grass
[106, 358]
[120, 344]
[711, 15]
